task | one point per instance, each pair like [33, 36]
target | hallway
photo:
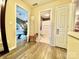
[37, 51]
[38, 29]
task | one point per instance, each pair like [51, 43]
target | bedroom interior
[21, 25]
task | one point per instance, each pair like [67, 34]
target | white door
[61, 17]
[46, 31]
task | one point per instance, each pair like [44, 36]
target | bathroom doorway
[45, 26]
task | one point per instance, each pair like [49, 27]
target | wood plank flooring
[37, 51]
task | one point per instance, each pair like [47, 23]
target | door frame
[16, 4]
[3, 29]
[51, 24]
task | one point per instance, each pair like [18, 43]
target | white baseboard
[12, 48]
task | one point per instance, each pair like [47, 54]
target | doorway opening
[45, 26]
[21, 25]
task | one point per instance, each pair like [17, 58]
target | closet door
[61, 19]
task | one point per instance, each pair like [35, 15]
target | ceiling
[45, 14]
[39, 2]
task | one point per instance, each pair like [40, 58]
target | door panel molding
[61, 26]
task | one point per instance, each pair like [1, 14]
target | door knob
[57, 31]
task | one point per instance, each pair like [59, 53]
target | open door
[45, 26]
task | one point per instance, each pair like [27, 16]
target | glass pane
[1, 45]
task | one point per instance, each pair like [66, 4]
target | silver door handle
[57, 31]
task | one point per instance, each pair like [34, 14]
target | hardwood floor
[37, 51]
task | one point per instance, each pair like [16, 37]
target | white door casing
[48, 28]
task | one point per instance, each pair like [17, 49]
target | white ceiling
[45, 14]
[31, 2]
